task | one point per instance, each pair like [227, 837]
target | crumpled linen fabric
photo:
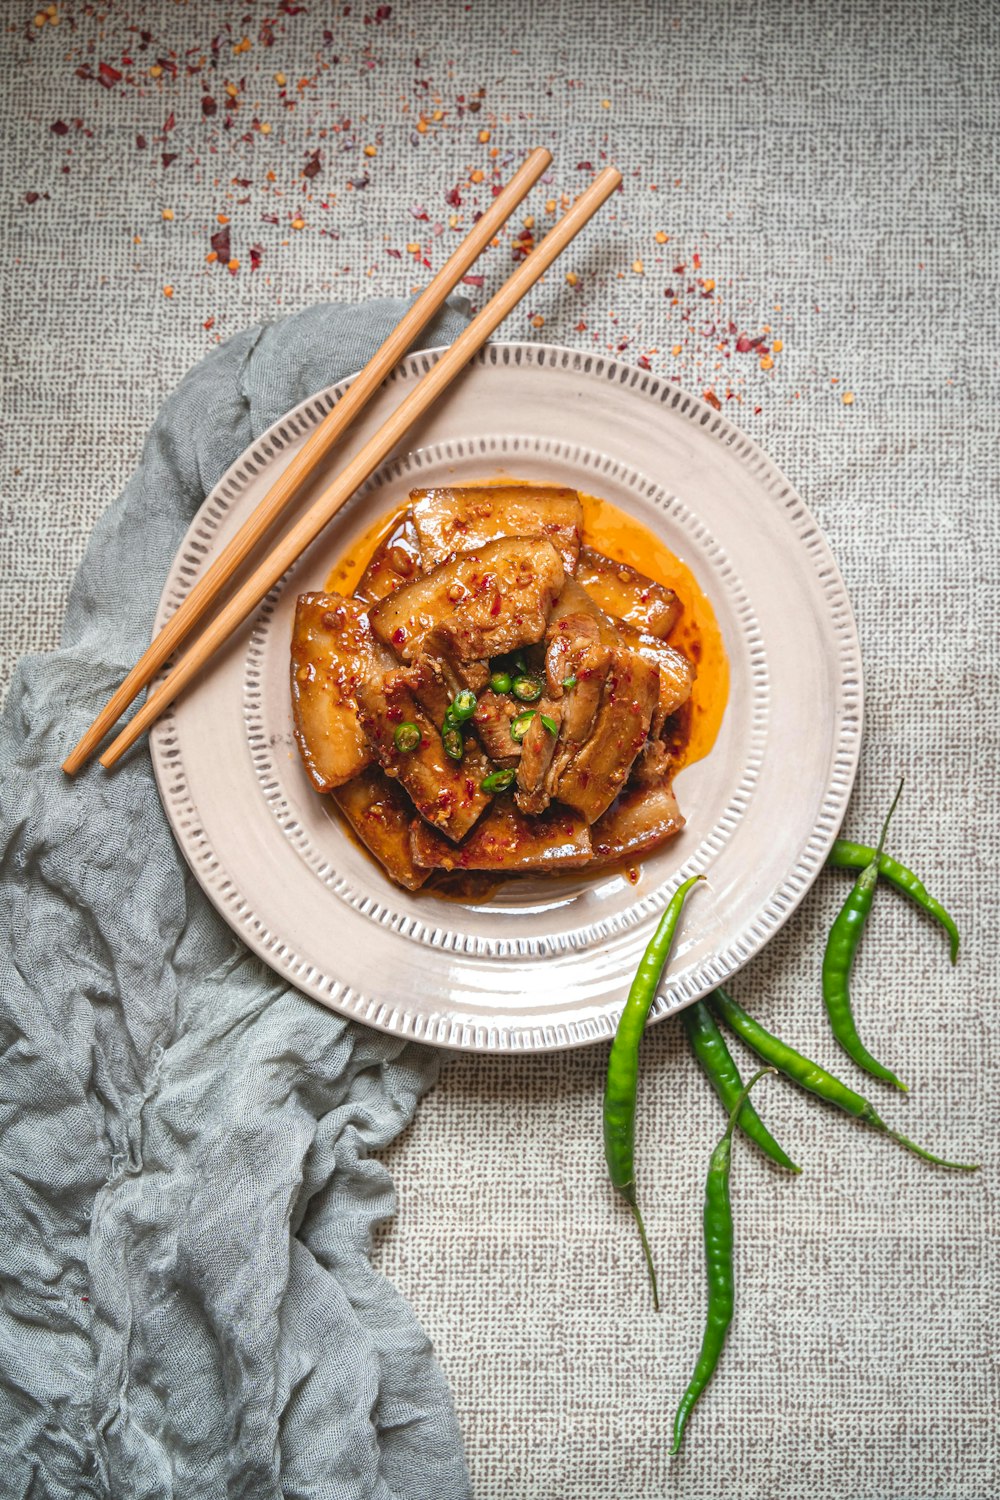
[189, 1185]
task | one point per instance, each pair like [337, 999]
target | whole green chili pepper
[812, 1077]
[847, 856]
[838, 956]
[718, 1224]
[623, 1066]
[709, 1047]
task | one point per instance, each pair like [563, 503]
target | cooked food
[331, 653]
[628, 594]
[478, 604]
[497, 695]
[460, 520]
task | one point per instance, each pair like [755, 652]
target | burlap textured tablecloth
[834, 173]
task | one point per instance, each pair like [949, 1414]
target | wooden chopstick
[208, 588]
[378, 447]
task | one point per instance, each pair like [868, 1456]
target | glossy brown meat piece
[395, 561]
[535, 782]
[479, 604]
[331, 651]
[505, 840]
[622, 591]
[677, 674]
[381, 814]
[491, 722]
[445, 792]
[598, 770]
[578, 643]
[637, 822]
[460, 520]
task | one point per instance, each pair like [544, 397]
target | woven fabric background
[823, 179]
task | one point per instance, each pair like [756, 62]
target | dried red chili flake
[167, 157]
[32, 197]
[256, 256]
[472, 280]
[585, 166]
[107, 76]
[140, 143]
[313, 166]
[643, 363]
[419, 212]
[712, 399]
[220, 244]
[743, 344]
[169, 123]
[59, 128]
[453, 198]
[208, 105]
[396, 254]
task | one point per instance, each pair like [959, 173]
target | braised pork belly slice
[444, 791]
[638, 821]
[577, 618]
[578, 642]
[627, 594]
[538, 747]
[395, 561]
[332, 650]
[380, 814]
[507, 841]
[460, 520]
[495, 712]
[597, 769]
[480, 604]
[677, 674]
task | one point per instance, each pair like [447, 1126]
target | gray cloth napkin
[189, 1191]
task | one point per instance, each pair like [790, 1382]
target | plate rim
[453, 1029]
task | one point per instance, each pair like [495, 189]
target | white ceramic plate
[544, 964]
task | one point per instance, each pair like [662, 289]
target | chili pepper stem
[938, 1161]
[888, 820]
[647, 1252]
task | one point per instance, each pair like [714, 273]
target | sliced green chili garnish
[463, 705]
[569, 682]
[519, 726]
[527, 689]
[407, 737]
[550, 724]
[497, 781]
[453, 741]
[500, 682]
